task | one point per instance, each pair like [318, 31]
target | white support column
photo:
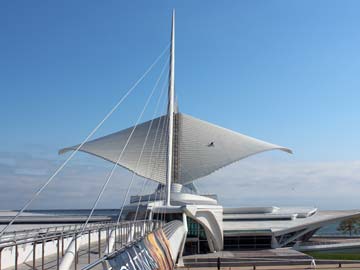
[71, 252]
[180, 259]
[111, 241]
[169, 171]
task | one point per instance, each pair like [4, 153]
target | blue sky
[282, 71]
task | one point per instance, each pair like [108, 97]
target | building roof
[279, 222]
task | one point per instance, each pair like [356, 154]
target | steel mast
[171, 98]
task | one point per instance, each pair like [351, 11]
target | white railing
[173, 229]
[34, 246]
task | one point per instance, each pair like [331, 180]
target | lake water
[327, 230]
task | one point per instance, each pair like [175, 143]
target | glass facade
[196, 241]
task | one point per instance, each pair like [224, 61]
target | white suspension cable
[146, 180]
[151, 154]
[29, 202]
[122, 151]
[143, 146]
[110, 241]
[164, 131]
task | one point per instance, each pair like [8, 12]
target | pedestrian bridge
[150, 244]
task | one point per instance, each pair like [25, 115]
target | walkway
[286, 267]
[281, 258]
[51, 246]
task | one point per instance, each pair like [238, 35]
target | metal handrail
[45, 237]
[54, 234]
[47, 228]
[25, 233]
[42, 236]
[117, 251]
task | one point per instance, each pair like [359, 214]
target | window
[247, 242]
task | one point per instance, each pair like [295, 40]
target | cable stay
[143, 146]
[69, 258]
[122, 99]
[145, 179]
[173, 150]
[124, 148]
[152, 152]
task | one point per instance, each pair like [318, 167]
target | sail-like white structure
[178, 148]
[204, 148]
[200, 148]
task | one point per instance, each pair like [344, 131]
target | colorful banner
[151, 253]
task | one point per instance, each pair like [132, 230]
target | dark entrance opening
[196, 241]
[247, 242]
